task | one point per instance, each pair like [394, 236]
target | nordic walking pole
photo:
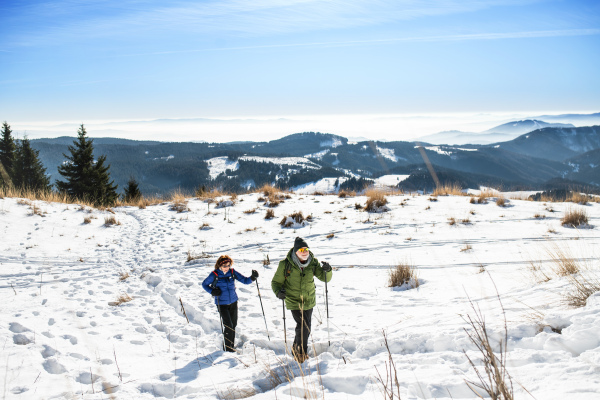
[263, 310]
[284, 329]
[327, 308]
[221, 318]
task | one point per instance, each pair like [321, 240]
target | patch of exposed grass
[574, 218]
[401, 274]
[87, 219]
[346, 193]
[251, 211]
[111, 220]
[501, 201]
[270, 214]
[330, 236]
[376, 201]
[448, 189]
[294, 218]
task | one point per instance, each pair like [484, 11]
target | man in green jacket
[294, 283]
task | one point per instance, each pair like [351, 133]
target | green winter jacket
[300, 290]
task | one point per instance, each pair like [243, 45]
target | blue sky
[76, 60]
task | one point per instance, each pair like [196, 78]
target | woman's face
[225, 266]
[302, 254]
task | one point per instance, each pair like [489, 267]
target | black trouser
[229, 313]
[302, 319]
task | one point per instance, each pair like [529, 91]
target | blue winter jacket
[225, 282]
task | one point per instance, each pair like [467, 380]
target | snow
[319, 155]
[62, 339]
[387, 153]
[390, 180]
[300, 161]
[218, 165]
[437, 149]
[331, 143]
[325, 185]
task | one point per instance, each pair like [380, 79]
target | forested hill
[306, 157]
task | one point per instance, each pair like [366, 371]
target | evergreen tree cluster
[20, 166]
[86, 178]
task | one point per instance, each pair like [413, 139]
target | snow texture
[63, 339]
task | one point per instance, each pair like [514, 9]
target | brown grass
[466, 248]
[501, 201]
[179, 202]
[539, 216]
[346, 193]
[583, 286]
[251, 211]
[204, 226]
[448, 189]
[574, 218]
[111, 220]
[451, 221]
[565, 263]
[123, 276]
[331, 235]
[87, 219]
[401, 274]
[270, 214]
[124, 298]
[296, 217]
[375, 200]
[494, 379]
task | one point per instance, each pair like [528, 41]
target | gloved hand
[281, 294]
[254, 275]
[216, 292]
[326, 267]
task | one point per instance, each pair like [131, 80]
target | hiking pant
[302, 318]
[229, 313]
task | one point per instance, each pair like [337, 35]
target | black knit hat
[299, 243]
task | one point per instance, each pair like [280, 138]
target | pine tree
[7, 155]
[86, 178]
[28, 170]
[132, 191]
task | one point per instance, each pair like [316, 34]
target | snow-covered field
[63, 337]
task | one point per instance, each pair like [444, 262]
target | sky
[236, 64]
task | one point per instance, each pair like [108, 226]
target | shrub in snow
[295, 220]
[574, 218]
[403, 277]
[270, 214]
[376, 202]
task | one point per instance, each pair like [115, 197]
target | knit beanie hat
[299, 243]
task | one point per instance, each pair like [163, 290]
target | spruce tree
[7, 155]
[86, 178]
[28, 170]
[132, 191]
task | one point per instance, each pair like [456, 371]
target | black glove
[325, 266]
[216, 292]
[254, 275]
[281, 294]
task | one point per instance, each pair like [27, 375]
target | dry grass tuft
[123, 276]
[574, 218]
[501, 201]
[270, 214]
[583, 286]
[466, 248]
[87, 219]
[376, 201]
[232, 393]
[402, 274]
[295, 218]
[331, 235]
[564, 262]
[451, 221]
[346, 193]
[251, 211]
[448, 189]
[111, 220]
[204, 226]
[432, 199]
[539, 216]
[124, 298]
[495, 379]
[179, 202]
[191, 256]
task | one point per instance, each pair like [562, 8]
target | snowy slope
[62, 338]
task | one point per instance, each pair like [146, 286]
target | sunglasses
[303, 250]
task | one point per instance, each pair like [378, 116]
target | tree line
[85, 177]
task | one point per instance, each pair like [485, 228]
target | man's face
[302, 254]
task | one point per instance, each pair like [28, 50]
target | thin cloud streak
[448, 38]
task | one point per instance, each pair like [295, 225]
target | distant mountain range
[528, 161]
[499, 133]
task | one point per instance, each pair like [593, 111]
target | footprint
[16, 327]
[72, 339]
[21, 339]
[87, 378]
[53, 367]
[48, 351]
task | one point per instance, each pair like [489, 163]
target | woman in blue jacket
[221, 284]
